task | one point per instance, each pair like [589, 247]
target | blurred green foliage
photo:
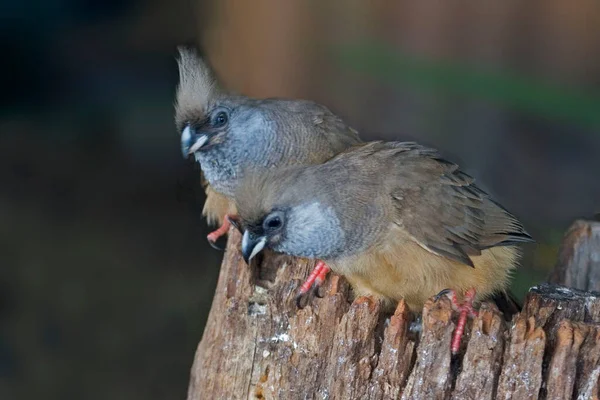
[520, 93]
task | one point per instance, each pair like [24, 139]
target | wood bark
[258, 344]
[578, 263]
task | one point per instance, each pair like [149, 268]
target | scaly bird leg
[466, 310]
[322, 274]
[222, 230]
[316, 277]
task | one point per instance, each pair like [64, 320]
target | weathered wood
[353, 354]
[521, 376]
[431, 376]
[562, 367]
[396, 357]
[483, 358]
[258, 344]
[578, 263]
[588, 365]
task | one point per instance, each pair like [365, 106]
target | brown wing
[444, 211]
[339, 135]
[328, 132]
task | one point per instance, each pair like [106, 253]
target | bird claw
[446, 292]
[228, 221]
[299, 303]
[214, 245]
[316, 289]
[465, 310]
[235, 222]
[313, 282]
[304, 293]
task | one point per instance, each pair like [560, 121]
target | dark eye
[220, 119]
[273, 222]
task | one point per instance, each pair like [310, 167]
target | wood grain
[258, 344]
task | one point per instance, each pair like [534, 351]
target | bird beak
[251, 246]
[190, 142]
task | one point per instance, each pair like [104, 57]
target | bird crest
[197, 85]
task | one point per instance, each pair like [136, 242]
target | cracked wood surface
[258, 345]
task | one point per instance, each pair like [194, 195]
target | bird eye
[272, 223]
[220, 119]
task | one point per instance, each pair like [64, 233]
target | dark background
[105, 275]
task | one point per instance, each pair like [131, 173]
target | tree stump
[258, 344]
[578, 263]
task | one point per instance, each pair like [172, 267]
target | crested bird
[395, 218]
[229, 134]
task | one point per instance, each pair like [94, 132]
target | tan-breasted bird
[229, 134]
[396, 219]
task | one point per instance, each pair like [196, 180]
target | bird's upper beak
[252, 245]
[191, 142]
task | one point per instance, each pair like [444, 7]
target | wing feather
[441, 207]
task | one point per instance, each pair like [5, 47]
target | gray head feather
[257, 133]
[312, 230]
[320, 221]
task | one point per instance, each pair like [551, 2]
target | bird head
[267, 231]
[223, 131]
[198, 95]
[228, 133]
[281, 210]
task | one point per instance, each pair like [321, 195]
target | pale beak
[251, 246]
[191, 142]
[198, 144]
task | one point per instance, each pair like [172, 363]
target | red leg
[466, 310]
[222, 230]
[317, 276]
[322, 275]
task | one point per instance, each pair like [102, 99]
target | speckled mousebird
[395, 218]
[229, 134]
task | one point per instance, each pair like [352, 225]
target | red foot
[466, 310]
[222, 230]
[322, 275]
[317, 276]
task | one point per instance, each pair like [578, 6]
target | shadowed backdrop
[106, 277]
